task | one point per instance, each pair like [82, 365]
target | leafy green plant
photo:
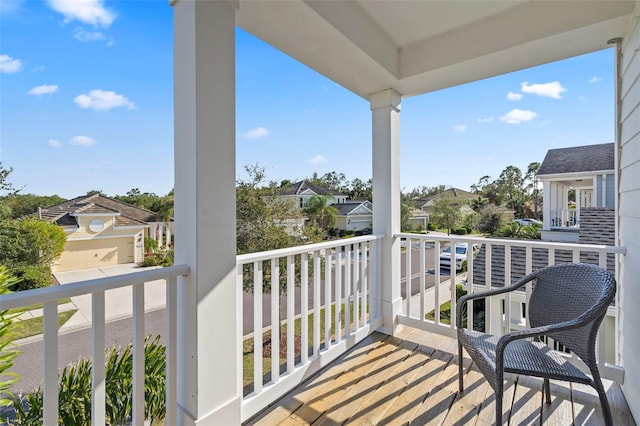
[150, 245]
[31, 276]
[75, 389]
[7, 351]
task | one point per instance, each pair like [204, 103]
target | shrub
[150, 245]
[30, 241]
[432, 227]
[75, 389]
[459, 231]
[30, 276]
[7, 351]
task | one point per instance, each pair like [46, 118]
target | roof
[449, 193]
[125, 214]
[589, 158]
[346, 208]
[302, 186]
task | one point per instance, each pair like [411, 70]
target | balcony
[334, 364]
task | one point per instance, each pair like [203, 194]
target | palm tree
[319, 209]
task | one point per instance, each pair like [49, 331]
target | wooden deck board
[413, 379]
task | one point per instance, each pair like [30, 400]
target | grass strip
[33, 326]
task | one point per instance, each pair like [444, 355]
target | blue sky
[86, 102]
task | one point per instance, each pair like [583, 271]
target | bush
[150, 245]
[75, 389]
[7, 350]
[30, 276]
[459, 231]
[432, 227]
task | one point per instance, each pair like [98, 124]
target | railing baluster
[138, 354]
[257, 327]
[436, 286]
[528, 286]
[170, 341]
[275, 320]
[407, 277]
[304, 308]
[363, 283]
[50, 388]
[506, 326]
[316, 302]
[338, 306]
[355, 284]
[452, 285]
[423, 279]
[327, 297]
[291, 276]
[98, 358]
[347, 290]
[488, 310]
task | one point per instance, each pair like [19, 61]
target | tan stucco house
[100, 231]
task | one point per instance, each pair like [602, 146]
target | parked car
[364, 231]
[528, 222]
[460, 256]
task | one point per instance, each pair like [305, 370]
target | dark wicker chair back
[565, 293]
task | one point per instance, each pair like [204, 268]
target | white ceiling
[418, 46]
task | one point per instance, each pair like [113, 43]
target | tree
[319, 210]
[446, 213]
[25, 204]
[30, 242]
[405, 215]
[5, 185]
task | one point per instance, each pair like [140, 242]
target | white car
[528, 222]
[461, 255]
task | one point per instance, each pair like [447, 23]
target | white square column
[385, 107]
[208, 341]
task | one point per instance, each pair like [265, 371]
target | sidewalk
[429, 304]
[118, 302]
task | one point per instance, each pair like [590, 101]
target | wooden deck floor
[412, 379]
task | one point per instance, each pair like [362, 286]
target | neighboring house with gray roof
[354, 215]
[100, 231]
[299, 194]
[589, 170]
[427, 204]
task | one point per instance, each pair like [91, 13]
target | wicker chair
[567, 304]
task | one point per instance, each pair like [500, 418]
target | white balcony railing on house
[331, 301]
[96, 288]
[326, 300]
[564, 218]
[498, 260]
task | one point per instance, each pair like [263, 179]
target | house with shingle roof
[589, 170]
[354, 215]
[300, 192]
[100, 231]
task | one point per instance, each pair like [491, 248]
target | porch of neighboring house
[412, 378]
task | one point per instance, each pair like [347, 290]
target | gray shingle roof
[346, 208]
[588, 158]
[299, 187]
[62, 214]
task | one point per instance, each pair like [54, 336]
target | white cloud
[485, 119]
[257, 133]
[90, 12]
[9, 65]
[86, 36]
[517, 116]
[45, 89]
[514, 96]
[82, 141]
[549, 90]
[460, 128]
[54, 143]
[102, 100]
[318, 159]
[10, 6]
[594, 79]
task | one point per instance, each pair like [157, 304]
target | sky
[86, 103]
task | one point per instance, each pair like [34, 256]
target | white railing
[564, 218]
[96, 288]
[498, 262]
[331, 301]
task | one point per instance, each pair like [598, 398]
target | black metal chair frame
[568, 303]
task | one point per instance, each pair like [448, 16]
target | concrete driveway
[118, 302]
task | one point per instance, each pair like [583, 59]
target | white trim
[94, 214]
[573, 175]
[130, 226]
[102, 237]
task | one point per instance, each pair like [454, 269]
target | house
[299, 193]
[102, 231]
[382, 51]
[354, 215]
[590, 171]
[464, 198]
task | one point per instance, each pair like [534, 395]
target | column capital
[385, 98]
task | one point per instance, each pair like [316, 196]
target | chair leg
[499, 407]
[604, 403]
[547, 391]
[460, 384]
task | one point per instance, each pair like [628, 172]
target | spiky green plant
[8, 352]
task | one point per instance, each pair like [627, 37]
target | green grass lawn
[30, 327]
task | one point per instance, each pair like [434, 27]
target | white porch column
[546, 205]
[385, 107]
[208, 340]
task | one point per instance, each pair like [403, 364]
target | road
[74, 345]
